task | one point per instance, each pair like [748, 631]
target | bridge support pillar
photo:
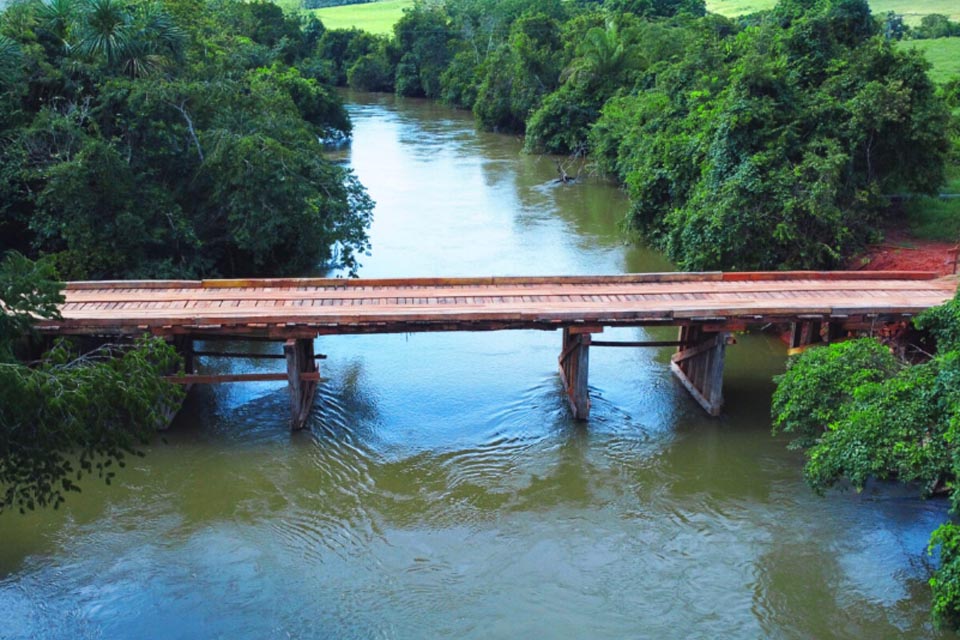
[184, 347]
[806, 333]
[574, 368]
[300, 361]
[698, 364]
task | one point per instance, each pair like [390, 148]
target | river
[444, 491]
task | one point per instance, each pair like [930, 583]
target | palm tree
[10, 58]
[155, 43]
[138, 44]
[59, 17]
[105, 30]
[600, 56]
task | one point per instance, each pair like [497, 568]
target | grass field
[375, 17]
[912, 10]
[943, 53]
[936, 219]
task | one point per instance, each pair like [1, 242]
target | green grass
[935, 218]
[912, 10]
[943, 54]
[375, 17]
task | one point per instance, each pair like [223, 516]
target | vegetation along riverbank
[183, 138]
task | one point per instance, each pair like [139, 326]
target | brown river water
[443, 491]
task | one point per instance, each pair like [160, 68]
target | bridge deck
[292, 308]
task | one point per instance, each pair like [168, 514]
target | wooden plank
[587, 329]
[713, 383]
[641, 343]
[470, 281]
[715, 306]
[689, 386]
[829, 275]
[574, 372]
[359, 285]
[686, 354]
[277, 308]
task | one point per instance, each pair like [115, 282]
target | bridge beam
[575, 367]
[699, 367]
[301, 379]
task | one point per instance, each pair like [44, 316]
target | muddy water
[443, 491]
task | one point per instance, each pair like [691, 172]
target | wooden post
[184, 346]
[700, 367]
[809, 332]
[834, 331]
[575, 367]
[300, 360]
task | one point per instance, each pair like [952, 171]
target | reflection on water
[443, 490]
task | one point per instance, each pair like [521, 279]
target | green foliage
[70, 415]
[561, 123]
[422, 36]
[788, 127]
[118, 140]
[371, 72]
[943, 323]
[79, 415]
[28, 290]
[819, 384]
[788, 131]
[945, 583]
[860, 414]
[316, 103]
[458, 82]
[892, 429]
[933, 218]
[936, 25]
[519, 74]
[341, 48]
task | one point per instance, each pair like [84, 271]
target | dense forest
[174, 139]
[183, 136]
[765, 142]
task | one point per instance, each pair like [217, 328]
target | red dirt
[901, 252]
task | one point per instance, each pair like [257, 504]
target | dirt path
[900, 251]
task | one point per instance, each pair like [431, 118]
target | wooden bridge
[707, 308]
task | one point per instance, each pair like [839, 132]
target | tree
[422, 36]
[116, 115]
[858, 414]
[519, 74]
[936, 25]
[70, 415]
[786, 133]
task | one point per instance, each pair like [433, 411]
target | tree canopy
[171, 138]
